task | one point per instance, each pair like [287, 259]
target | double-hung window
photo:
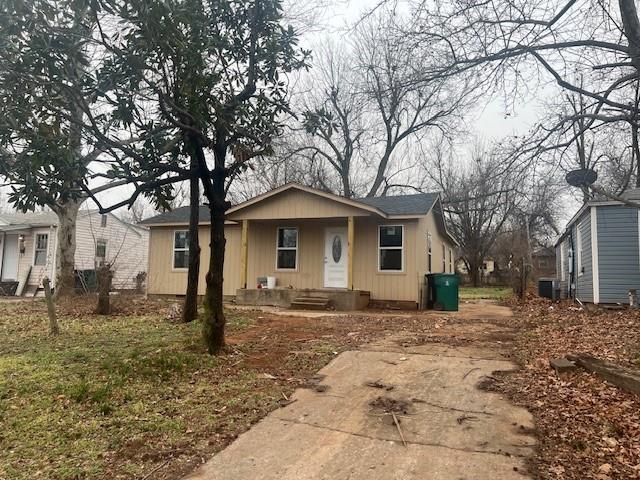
[451, 268]
[40, 250]
[287, 248]
[390, 247]
[444, 258]
[181, 249]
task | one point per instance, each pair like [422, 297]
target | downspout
[572, 269]
[2, 240]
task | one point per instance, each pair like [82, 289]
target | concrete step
[310, 303]
[311, 298]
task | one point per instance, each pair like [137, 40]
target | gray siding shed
[583, 258]
[618, 252]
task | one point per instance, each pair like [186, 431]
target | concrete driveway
[353, 424]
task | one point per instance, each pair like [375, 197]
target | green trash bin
[443, 291]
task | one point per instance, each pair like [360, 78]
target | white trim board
[594, 255]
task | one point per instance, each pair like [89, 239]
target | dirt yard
[135, 396]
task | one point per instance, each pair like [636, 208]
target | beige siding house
[28, 243]
[311, 243]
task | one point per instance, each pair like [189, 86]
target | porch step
[310, 303]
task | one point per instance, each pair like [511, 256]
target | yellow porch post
[244, 254]
[350, 238]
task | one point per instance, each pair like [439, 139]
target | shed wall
[618, 252]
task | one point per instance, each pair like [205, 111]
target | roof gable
[296, 201]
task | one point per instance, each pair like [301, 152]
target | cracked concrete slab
[452, 429]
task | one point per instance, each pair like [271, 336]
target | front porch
[304, 298]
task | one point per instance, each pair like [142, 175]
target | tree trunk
[104, 287]
[190, 310]
[214, 189]
[67, 213]
[474, 271]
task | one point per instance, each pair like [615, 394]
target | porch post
[244, 254]
[350, 238]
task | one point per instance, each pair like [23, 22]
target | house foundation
[342, 300]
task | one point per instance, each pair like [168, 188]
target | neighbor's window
[562, 261]
[287, 248]
[390, 245]
[103, 221]
[180, 249]
[444, 258]
[429, 252]
[40, 255]
[101, 249]
[451, 261]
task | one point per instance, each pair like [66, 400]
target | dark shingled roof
[418, 204]
[177, 215]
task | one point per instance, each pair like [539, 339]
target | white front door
[10, 258]
[336, 253]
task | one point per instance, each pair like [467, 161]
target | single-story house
[28, 243]
[598, 255]
[312, 244]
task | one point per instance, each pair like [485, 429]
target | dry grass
[117, 397]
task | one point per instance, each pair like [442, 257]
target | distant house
[313, 245]
[28, 243]
[598, 256]
[486, 269]
[544, 262]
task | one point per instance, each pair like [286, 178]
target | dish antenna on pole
[583, 177]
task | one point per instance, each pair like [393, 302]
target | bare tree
[365, 109]
[478, 199]
[589, 49]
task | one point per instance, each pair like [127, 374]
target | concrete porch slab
[453, 430]
[341, 300]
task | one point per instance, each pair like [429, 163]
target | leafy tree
[58, 123]
[213, 72]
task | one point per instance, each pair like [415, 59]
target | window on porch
[287, 248]
[40, 251]
[390, 247]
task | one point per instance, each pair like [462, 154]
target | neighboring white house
[28, 248]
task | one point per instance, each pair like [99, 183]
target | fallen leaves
[587, 428]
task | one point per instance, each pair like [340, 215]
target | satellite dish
[581, 177]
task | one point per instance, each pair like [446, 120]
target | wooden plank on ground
[625, 378]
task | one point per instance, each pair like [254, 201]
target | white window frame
[429, 252]
[451, 269]
[278, 248]
[173, 251]
[563, 274]
[444, 258]
[401, 248]
[579, 250]
[36, 249]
